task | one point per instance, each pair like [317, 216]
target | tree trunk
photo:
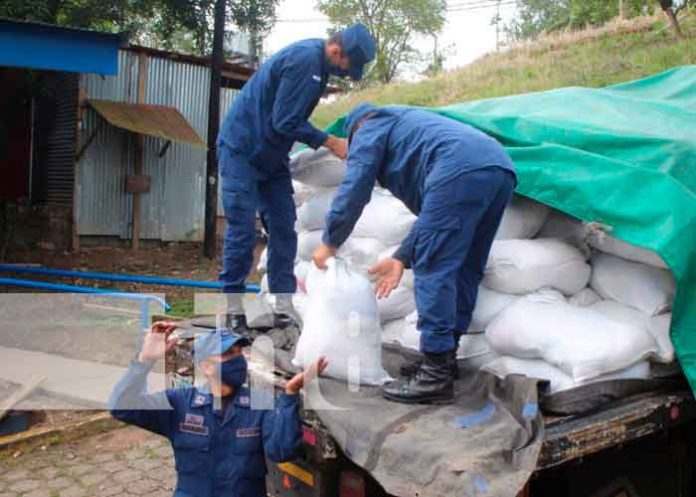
[672, 17]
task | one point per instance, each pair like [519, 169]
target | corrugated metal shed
[173, 210]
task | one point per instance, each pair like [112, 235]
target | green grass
[181, 307]
[615, 53]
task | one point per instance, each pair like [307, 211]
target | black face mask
[233, 372]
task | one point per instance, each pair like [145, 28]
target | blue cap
[359, 45]
[355, 115]
[217, 342]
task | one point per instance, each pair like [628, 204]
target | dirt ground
[172, 260]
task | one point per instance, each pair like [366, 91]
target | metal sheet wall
[174, 208]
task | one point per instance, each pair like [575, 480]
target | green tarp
[624, 155]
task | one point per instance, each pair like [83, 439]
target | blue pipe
[58, 287]
[132, 278]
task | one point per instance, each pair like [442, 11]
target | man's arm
[366, 155]
[403, 253]
[129, 401]
[282, 429]
[299, 90]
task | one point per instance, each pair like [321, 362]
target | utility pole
[211, 184]
[497, 26]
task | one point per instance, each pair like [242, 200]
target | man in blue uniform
[219, 439]
[266, 119]
[457, 180]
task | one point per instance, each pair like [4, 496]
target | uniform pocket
[191, 452]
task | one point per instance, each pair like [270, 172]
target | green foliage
[185, 25]
[538, 16]
[393, 23]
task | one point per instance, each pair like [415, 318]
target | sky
[467, 34]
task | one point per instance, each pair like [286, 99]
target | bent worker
[220, 441]
[265, 120]
[457, 180]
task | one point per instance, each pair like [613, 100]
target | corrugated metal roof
[147, 119]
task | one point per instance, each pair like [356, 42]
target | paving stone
[24, 485]
[49, 472]
[127, 475]
[113, 466]
[60, 482]
[82, 469]
[93, 478]
[16, 474]
[74, 491]
[111, 489]
[103, 457]
[146, 464]
[140, 487]
[38, 493]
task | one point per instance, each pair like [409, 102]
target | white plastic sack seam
[582, 342]
[341, 322]
[523, 218]
[319, 168]
[567, 228]
[647, 288]
[559, 381]
[658, 326]
[524, 266]
[311, 214]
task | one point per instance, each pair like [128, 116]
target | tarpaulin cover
[624, 155]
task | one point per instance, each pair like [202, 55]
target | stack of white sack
[537, 251]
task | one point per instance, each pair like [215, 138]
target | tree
[393, 23]
[170, 24]
[538, 16]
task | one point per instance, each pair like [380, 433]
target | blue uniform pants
[247, 190]
[455, 230]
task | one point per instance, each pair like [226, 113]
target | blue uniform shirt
[215, 456]
[272, 110]
[406, 151]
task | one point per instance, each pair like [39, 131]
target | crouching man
[220, 441]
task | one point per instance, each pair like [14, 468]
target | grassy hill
[617, 52]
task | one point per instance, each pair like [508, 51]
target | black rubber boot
[283, 321]
[410, 368]
[431, 384]
[237, 323]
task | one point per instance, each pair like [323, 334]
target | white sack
[341, 323]
[488, 305]
[567, 228]
[410, 336]
[584, 298]
[523, 266]
[317, 168]
[360, 253]
[523, 218]
[582, 342]
[385, 218]
[647, 288]
[392, 331]
[263, 261]
[399, 304]
[559, 381]
[311, 214]
[302, 192]
[611, 245]
[658, 326]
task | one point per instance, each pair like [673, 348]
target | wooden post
[139, 152]
[211, 184]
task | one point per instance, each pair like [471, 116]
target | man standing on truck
[220, 440]
[266, 119]
[457, 180]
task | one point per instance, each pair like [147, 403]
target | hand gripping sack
[524, 266]
[341, 322]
